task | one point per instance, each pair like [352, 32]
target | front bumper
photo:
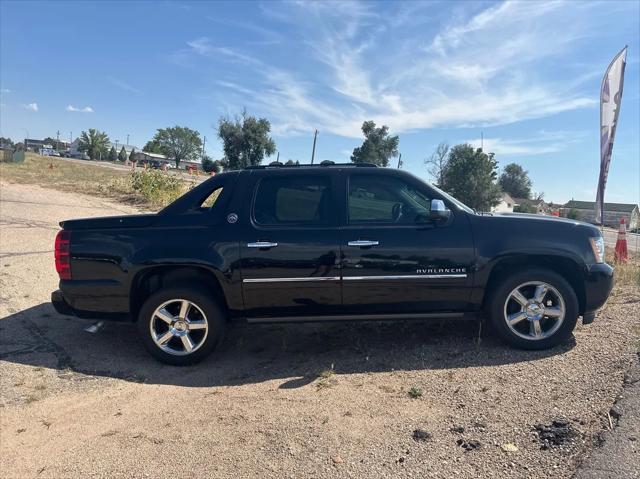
[597, 287]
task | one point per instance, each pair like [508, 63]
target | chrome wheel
[534, 310]
[179, 327]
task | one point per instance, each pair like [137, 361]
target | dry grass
[83, 177]
[627, 274]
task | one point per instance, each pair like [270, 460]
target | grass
[152, 189]
[415, 393]
[626, 274]
[325, 379]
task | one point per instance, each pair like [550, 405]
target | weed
[415, 393]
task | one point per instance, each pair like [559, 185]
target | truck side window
[301, 200]
[210, 201]
[376, 199]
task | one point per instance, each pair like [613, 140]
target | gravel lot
[296, 401]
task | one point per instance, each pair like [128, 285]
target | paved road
[619, 457]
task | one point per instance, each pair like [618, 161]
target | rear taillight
[62, 254]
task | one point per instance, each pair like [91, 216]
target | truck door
[395, 260]
[289, 248]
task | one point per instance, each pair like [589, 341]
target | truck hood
[547, 221]
[110, 222]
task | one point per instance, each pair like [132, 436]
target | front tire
[534, 309]
[180, 325]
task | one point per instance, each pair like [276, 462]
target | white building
[506, 204]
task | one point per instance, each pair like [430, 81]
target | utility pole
[204, 142]
[481, 140]
[127, 138]
[313, 152]
[278, 158]
[117, 145]
[57, 140]
[400, 161]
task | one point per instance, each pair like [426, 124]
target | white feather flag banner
[610, 98]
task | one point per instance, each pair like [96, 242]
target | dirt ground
[362, 400]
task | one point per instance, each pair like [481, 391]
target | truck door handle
[363, 243]
[262, 245]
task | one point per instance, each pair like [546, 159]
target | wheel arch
[565, 266]
[153, 278]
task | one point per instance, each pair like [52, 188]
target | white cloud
[486, 66]
[86, 109]
[31, 106]
[542, 143]
[5, 90]
[122, 84]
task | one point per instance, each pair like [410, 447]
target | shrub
[157, 187]
[574, 214]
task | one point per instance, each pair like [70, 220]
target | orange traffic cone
[621, 254]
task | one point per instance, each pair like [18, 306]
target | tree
[437, 164]
[177, 143]
[122, 156]
[515, 181]
[152, 146]
[470, 176]
[245, 140]
[7, 142]
[94, 143]
[378, 147]
[113, 154]
[290, 162]
[574, 214]
[132, 155]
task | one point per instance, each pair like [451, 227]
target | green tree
[574, 214]
[378, 147]
[94, 143]
[6, 142]
[208, 165]
[177, 143]
[113, 154]
[290, 162]
[515, 181]
[152, 146]
[122, 156]
[132, 155]
[470, 176]
[245, 141]
[525, 208]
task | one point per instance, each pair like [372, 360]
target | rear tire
[533, 309]
[181, 325]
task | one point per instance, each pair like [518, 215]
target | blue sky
[527, 75]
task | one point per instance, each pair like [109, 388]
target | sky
[525, 76]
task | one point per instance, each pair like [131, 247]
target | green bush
[157, 187]
[574, 214]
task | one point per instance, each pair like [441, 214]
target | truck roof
[323, 164]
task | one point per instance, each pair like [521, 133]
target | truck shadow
[295, 355]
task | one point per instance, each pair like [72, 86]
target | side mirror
[439, 211]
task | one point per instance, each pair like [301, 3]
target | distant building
[537, 206]
[506, 204]
[145, 156]
[613, 212]
[31, 144]
[73, 148]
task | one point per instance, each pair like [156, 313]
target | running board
[358, 317]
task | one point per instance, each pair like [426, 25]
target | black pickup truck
[331, 242]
